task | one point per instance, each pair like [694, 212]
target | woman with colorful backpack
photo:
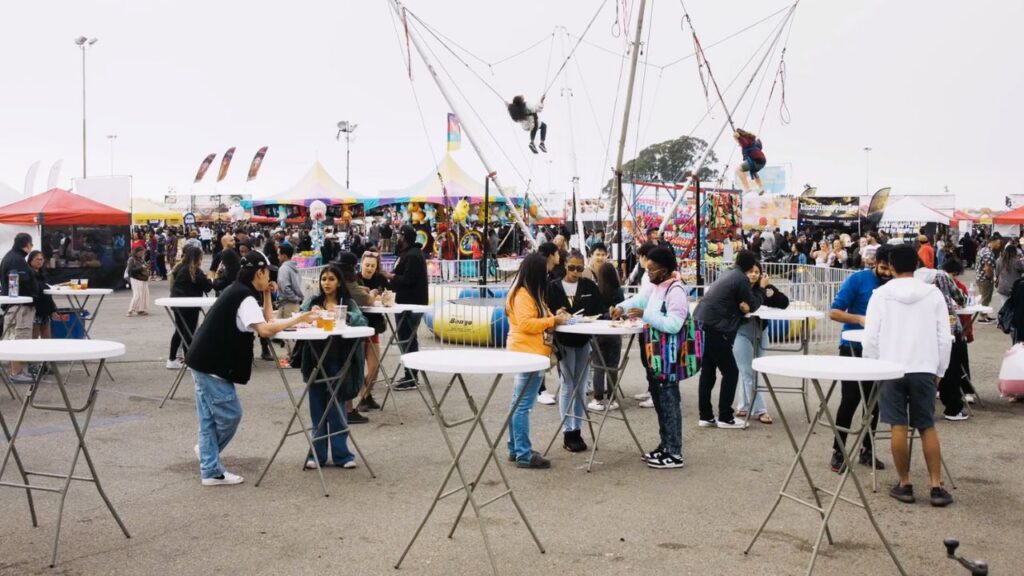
[669, 350]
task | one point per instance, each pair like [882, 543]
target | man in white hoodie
[907, 322]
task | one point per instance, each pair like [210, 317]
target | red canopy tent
[1011, 217]
[58, 207]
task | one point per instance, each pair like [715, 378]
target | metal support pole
[487, 212]
[696, 236]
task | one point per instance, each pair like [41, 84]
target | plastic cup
[83, 283]
[74, 283]
[341, 316]
[327, 321]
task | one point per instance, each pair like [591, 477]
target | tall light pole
[867, 170]
[82, 42]
[111, 138]
[347, 128]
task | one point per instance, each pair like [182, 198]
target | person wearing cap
[221, 356]
[926, 253]
[409, 282]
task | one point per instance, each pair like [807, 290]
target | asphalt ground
[621, 518]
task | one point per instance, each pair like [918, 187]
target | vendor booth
[79, 237]
[148, 212]
[908, 216]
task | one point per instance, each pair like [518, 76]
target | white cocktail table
[78, 300]
[317, 376]
[52, 353]
[396, 316]
[172, 306]
[767, 314]
[832, 369]
[613, 373]
[484, 362]
[14, 302]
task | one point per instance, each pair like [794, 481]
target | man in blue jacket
[849, 307]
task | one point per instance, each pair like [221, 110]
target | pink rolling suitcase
[1011, 374]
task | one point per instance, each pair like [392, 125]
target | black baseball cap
[256, 260]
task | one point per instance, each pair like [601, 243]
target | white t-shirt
[570, 288]
[249, 313]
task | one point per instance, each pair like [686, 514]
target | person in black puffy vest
[221, 356]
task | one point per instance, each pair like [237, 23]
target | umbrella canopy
[144, 210]
[58, 207]
[907, 209]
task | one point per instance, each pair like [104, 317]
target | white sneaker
[962, 415]
[546, 398]
[970, 398]
[642, 396]
[596, 405]
[708, 423]
[174, 364]
[735, 423]
[227, 479]
[645, 404]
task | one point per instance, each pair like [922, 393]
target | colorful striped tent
[317, 184]
[457, 182]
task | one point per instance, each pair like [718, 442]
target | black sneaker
[573, 441]
[405, 385]
[536, 461]
[666, 462]
[940, 497]
[838, 465]
[512, 457]
[266, 355]
[905, 494]
[368, 403]
[533, 147]
[354, 417]
[866, 460]
[543, 148]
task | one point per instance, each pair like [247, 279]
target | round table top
[348, 332]
[85, 292]
[15, 300]
[475, 362]
[58, 350]
[600, 328]
[769, 313]
[396, 309]
[828, 367]
[186, 302]
[975, 309]
[853, 335]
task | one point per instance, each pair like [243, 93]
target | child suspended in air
[529, 119]
[753, 160]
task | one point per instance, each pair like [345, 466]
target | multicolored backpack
[671, 358]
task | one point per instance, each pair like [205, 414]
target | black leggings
[955, 380]
[187, 319]
[537, 124]
[848, 402]
[717, 357]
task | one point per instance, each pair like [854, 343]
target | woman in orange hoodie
[528, 320]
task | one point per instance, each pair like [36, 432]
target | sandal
[765, 419]
[741, 413]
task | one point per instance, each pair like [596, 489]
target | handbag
[672, 358]
[1005, 319]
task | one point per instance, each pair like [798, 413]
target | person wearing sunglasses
[575, 295]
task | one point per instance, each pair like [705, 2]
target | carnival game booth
[80, 238]
[293, 204]
[148, 212]
[449, 195]
[907, 217]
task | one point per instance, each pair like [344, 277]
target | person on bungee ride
[529, 118]
[753, 160]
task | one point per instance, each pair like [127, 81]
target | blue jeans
[219, 414]
[667, 405]
[527, 387]
[743, 351]
[572, 369]
[319, 402]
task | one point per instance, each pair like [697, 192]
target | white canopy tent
[908, 209]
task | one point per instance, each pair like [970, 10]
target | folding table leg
[12, 451]
[455, 467]
[616, 392]
[80, 449]
[296, 415]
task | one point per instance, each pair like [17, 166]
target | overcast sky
[932, 87]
